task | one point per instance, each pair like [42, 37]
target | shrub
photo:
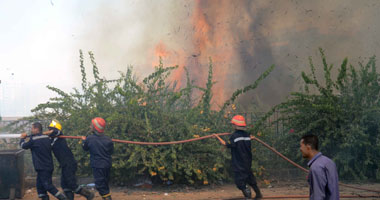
[153, 109]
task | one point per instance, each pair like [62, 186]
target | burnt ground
[217, 192]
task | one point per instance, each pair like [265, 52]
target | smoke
[243, 38]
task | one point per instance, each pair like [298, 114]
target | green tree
[149, 110]
[344, 112]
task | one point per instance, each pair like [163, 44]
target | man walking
[101, 149]
[240, 145]
[40, 146]
[67, 163]
[323, 176]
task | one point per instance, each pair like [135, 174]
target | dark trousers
[68, 179]
[45, 184]
[244, 178]
[102, 177]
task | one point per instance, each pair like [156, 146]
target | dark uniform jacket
[40, 146]
[61, 151]
[101, 149]
[240, 144]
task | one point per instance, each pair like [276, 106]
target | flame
[171, 57]
[209, 39]
[202, 27]
[160, 50]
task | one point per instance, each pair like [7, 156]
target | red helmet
[238, 120]
[99, 124]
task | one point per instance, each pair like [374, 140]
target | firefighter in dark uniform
[67, 163]
[101, 149]
[240, 145]
[40, 146]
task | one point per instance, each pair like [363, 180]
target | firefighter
[240, 145]
[67, 163]
[40, 146]
[101, 148]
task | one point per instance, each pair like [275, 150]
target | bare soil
[217, 192]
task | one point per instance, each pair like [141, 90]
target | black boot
[69, 195]
[247, 193]
[61, 196]
[258, 192]
[107, 197]
[87, 193]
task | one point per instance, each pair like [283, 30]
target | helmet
[238, 120]
[99, 124]
[55, 124]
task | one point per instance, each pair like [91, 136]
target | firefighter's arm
[25, 144]
[48, 132]
[231, 143]
[53, 133]
[85, 143]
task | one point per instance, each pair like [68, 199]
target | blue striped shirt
[323, 178]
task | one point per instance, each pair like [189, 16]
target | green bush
[151, 110]
[344, 112]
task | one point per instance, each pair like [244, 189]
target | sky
[29, 38]
[40, 42]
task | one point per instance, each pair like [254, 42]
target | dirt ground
[224, 192]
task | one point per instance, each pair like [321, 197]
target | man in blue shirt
[323, 176]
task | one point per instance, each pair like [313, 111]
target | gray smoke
[242, 37]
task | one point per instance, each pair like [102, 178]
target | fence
[274, 121]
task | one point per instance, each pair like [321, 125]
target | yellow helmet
[55, 124]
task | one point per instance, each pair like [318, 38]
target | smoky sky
[286, 33]
[243, 38]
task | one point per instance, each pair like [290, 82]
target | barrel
[12, 178]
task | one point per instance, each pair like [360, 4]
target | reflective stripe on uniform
[39, 137]
[55, 139]
[241, 138]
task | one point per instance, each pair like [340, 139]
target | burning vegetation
[342, 112]
[153, 109]
[197, 96]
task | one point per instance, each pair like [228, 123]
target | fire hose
[217, 136]
[303, 169]
[307, 197]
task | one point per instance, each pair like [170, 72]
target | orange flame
[209, 39]
[171, 58]
[160, 50]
